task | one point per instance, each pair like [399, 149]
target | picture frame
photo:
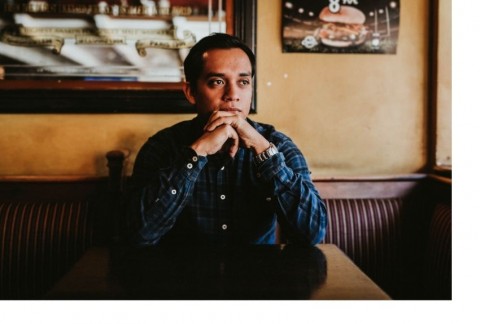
[340, 27]
[37, 94]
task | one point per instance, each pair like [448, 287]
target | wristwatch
[265, 155]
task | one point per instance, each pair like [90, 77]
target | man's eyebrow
[214, 74]
[219, 74]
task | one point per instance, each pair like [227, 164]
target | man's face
[225, 83]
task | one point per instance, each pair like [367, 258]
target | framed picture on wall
[340, 26]
[106, 55]
[130, 40]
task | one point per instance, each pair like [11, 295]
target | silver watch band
[265, 155]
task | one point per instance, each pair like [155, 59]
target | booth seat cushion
[39, 242]
[368, 231]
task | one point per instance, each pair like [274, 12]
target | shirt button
[269, 199]
[222, 197]
[195, 159]
[258, 175]
[189, 165]
[174, 192]
[224, 227]
[222, 168]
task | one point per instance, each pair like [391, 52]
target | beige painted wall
[444, 85]
[350, 114]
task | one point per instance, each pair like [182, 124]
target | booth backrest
[45, 226]
[369, 232]
[39, 241]
[437, 267]
[395, 229]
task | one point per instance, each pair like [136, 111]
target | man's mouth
[231, 109]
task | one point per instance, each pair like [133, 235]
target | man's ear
[189, 93]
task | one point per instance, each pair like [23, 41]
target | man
[222, 178]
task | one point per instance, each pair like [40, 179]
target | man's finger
[233, 149]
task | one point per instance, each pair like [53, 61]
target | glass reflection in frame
[103, 40]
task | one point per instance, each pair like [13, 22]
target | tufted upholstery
[39, 242]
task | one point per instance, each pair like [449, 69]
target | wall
[350, 114]
[444, 85]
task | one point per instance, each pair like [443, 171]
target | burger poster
[340, 26]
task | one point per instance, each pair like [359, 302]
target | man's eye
[215, 82]
[244, 82]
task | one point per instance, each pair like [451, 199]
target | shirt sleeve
[161, 189]
[300, 210]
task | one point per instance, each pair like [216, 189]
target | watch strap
[265, 155]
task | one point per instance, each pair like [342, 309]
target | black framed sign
[340, 26]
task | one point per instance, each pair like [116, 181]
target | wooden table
[345, 281]
[257, 272]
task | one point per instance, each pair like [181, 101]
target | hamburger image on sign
[344, 28]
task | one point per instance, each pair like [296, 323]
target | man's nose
[231, 93]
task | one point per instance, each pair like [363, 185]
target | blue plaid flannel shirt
[179, 197]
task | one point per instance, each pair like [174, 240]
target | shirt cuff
[271, 167]
[191, 163]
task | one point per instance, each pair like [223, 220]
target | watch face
[272, 150]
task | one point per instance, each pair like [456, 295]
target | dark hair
[193, 65]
